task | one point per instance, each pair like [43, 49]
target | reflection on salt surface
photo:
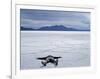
[73, 47]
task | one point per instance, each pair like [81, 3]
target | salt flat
[73, 47]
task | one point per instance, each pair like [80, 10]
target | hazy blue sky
[39, 18]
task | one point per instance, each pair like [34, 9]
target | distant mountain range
[52, 28]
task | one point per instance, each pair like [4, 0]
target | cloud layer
[39, 18]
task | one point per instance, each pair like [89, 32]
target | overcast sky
[40, 18]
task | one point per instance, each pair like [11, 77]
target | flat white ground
[73, 47]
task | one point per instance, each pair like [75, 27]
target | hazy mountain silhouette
[53, 28]
[57, 28]
[24, 28]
